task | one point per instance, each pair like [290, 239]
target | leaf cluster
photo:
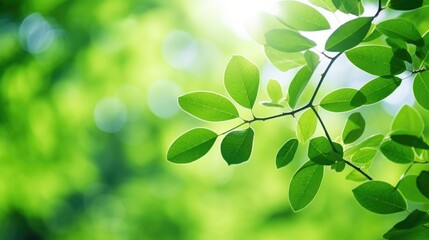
[385, 49]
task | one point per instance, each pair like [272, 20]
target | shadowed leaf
[380, 197]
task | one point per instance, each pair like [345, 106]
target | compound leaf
[305, 185]
[191, 145]
[380, 197]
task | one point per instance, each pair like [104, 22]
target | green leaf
[400, 49]
[236, 147]
[409, 140]
[242, 81]
[304, 185]
[342, 100]
[271, 104]
[288, 40]
[380, 197]
[274, 90]
[409, 121]
[421, 89]
[423, 183]
[191, 145]
[326, 4]
[380, 88]
[348, 35]
[339, 166]
[371, 142]
[372, 34]
[397, 153]
[261, 23]
[405, 4]
[208, 106]
[284, 61]
[402, 29]
[306, 126]
[354, 128]
[422, 52]
[356, 176]
[354, 7]
[408, 187]
[320, 151]
[286, 153]
[364, 155]
[413, 227]
[298, 84]
[376, 60]
[312, 59]
[300, 16]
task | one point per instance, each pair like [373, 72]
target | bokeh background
[88, 109]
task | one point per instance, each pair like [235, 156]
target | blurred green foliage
[88, 108]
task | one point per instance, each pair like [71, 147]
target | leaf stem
[333, 147]
[319, 84]
[231, 129]
[358, 169]
[380, 8]
[405, 173]
[308, 105]
[324, 128]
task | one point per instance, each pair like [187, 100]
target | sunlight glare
[236, 13]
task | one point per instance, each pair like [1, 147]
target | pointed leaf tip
[208, 106]
[242, 81]
[236, 147]
[191, 146]
[304, 185]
